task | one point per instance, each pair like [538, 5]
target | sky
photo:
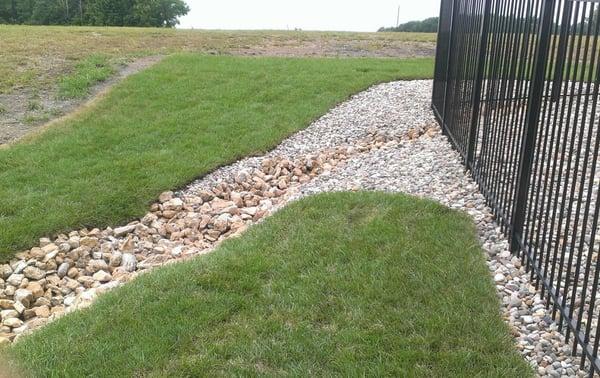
[341, 15]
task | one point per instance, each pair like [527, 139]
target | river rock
[34, 273]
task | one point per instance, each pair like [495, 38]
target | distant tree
[78, 9]
[47, 12]
[109, 12]
[23, 11]
[429, 25]
[159, 13]
[15, 11]
[156, 13]
[5, 11]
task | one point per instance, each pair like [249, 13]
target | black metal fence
[516, 91]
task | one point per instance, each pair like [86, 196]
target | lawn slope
[35, 57]
[347, 284]
[163, 127]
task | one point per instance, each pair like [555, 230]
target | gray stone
[121, 231]
[115, 259]
[129, 262]
[15, 279]
[24, 296]
[96, 265]
[63, 269]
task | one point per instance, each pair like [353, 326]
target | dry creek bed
[343, 150]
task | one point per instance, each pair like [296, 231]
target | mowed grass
[37, 57]
[346, 284]
[161, 128]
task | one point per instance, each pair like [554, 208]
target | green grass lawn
[347, 284]
[160, 129]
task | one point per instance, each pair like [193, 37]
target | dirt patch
[25, 110]
[350, 48]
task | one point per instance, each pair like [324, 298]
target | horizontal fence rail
[516, 91]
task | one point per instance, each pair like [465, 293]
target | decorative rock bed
[382, 139]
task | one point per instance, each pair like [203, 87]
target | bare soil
[26, 110]
[349, 48]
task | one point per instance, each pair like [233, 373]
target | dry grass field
[35, 56]
[48, 71]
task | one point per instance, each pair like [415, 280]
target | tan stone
[37, 322]
[57, 310]
[102, 276]
[13, 322]
[218, 205]
[96, 265]
[90, 242]
[155, 260]
[73, 273]
[36, 289]
[28, 314]
[166, 196]
[34, 273]
[175, 204]
[86, 281]
[237, 199]
[169, 214]
[70, 283]
[212, 235]
[39, 253]
[128, 245]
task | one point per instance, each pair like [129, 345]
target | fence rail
[516, 91]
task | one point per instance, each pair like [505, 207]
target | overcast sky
[349, 15]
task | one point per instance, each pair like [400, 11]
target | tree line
[151, 13]
[524, 24]
[429, 25]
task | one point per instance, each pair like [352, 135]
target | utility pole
[398, 17]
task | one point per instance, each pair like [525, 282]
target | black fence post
[562, 49]
[536, 94]
[475, 113]
[448, 65]
[438, 53]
